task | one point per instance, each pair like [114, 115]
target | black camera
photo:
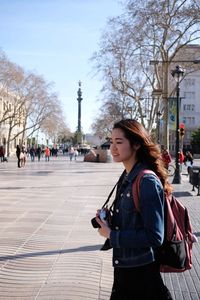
[103, 215]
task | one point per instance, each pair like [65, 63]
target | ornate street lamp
[178, 75]
[165, 65]
[159, 114]
[156, 94]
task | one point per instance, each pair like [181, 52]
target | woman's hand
[104, 230]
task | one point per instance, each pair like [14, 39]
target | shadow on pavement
[53, 252]
[182, 194]
[197, 233]
[51, 186]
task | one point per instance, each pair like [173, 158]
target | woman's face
[121, 149]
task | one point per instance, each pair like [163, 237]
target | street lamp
[164, 70]
[178, 75]
[159, 114]
[156, 94]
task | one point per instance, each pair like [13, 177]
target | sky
[56, 39]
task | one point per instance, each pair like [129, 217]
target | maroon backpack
[175, 254]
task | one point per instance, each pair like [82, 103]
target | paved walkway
[48, 249]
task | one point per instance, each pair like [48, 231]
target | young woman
[135, 236]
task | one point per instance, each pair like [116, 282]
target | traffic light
[182, 129]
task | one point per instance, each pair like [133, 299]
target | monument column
[79, 99]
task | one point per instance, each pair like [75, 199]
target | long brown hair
[149, 153]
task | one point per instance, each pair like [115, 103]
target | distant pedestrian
[188, 160]
[38, 152]
[71, 153]
[181, 159]
[32, 153]
[47, 153]
[75, 154]
[18, 152]
[166, 157]
[23, 156]
[2, 153]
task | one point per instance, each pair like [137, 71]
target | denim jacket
[135, 235]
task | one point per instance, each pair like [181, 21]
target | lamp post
[159, 114]
[164, 70]
[156, 94]
[178, 75]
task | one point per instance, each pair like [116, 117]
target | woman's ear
[136, 147]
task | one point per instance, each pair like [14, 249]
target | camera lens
[94, 223]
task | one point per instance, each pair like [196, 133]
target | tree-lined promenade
[28, 103]
[137, 51]
[48, 248]
[163, 32]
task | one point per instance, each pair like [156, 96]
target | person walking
[166, 157]
[181, 159]
[2, 153]
[23, 157]
[38, 152]
[71, 153]
[18, 152]
[188, 160]
[47, 154]
[32, 153]
[134, 236]
[75, 154]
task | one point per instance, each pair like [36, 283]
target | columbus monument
[79, 99]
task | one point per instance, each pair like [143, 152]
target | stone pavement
[48, 248]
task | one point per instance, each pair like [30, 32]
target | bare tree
[147, 30]
[10, 73]
[121, 65]
[29, 102]
[115, 106]
[54, 125]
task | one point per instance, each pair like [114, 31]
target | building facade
[11, 123]
[189, 112]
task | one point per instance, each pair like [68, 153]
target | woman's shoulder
[149, 177]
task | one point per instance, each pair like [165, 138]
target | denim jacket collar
[135, 171]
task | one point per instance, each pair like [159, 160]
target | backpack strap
[136, 186]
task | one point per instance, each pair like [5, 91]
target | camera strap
[109, 196]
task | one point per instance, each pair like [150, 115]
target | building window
[188, 107]
[189, 95]
[188, 135]
[189, 121]
[189, 82]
